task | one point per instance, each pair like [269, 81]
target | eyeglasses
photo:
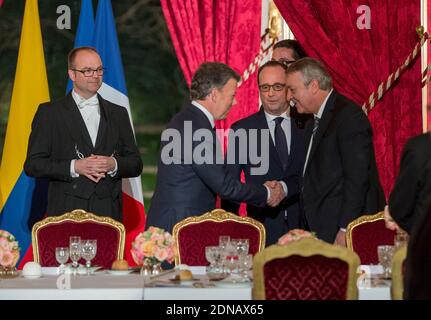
[90, 72]
[275, 87]
[286, 62]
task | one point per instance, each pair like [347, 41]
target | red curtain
[429, 62]
[225, 31]
[359, 59]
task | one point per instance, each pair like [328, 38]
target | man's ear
[214, 94]
[314, 86]
[71, 74]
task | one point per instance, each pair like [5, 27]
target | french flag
[114, 90]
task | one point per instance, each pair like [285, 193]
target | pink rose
[161, 254]
[4, 243]
[7, 259]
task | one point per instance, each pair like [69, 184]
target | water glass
[385, 254]
[88, 252]
[212, 254]
[242, 246]
[75, 250]
[62, 256]
[246, 263]
[223, 241]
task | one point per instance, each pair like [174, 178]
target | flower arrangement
[295, 235]
[153, 246]
[9, 250]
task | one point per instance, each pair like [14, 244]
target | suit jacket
[340, 182]
[187, 188]
[417, 277]
[58, 133]
[284, 217]
[408, 199]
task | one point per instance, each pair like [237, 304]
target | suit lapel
[101, 133]
[323, 125]
[75, 124]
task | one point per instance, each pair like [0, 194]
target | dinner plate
[28, 276]
[179, 281]
[230, 284]
[119, 272]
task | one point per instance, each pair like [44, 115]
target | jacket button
[74, 186]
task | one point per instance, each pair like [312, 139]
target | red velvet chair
[55, 231]
[193, 234]
[366, 233]
[306, 269]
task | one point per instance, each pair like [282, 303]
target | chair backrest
[306, 269]
[193, 234]
[398, 273]
[53, 232]
[367, 232]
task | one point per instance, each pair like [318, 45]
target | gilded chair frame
[77, 216]
[305, 247]
[218, 216]
[397, 273]
[357, 222]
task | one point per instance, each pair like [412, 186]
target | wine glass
[61, 255]
[242, 246]
[88, 252]
[212, 254]
[385, 258]
[75, 251]
[223, 241]
[246, 262]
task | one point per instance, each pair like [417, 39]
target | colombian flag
[23, 199]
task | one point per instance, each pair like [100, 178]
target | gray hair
[208, 76]
[312, 69]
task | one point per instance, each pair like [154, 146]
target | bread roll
[186, 275]
[120, 265]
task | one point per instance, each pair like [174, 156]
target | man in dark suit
[285, 152]
[409, 210]
[191, 171]
[340, 180]
[83, 144]
[409, 198]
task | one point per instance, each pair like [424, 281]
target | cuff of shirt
[269, 193]
[343, 229]
[284, 185]
[113, 172]
[73, 174]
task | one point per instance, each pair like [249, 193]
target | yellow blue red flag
[23, 199]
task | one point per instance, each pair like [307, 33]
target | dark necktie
[281, 142]
[316, 125]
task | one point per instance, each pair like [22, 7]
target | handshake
[276, 192]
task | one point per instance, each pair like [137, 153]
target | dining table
[130, 285]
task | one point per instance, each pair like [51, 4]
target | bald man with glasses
[83, 144]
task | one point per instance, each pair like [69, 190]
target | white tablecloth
[103, 286]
